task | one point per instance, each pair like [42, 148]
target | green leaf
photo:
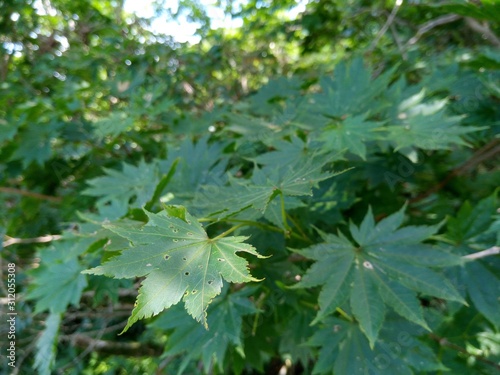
[179, 262]
[483, 287]
[113, 125]
[7, 130]
[345, 350]
[426, 125]
[46, 345]
[266, 183]
[366, 302]
[351, 91]
[350, 134]
[470, 221]
[36, 144]
[225, 318]
[402, 300]
[58, 281]
[195, 164]
[118, 188]
[389, 266]
[334, 272]
[287, 152]
[420, 279]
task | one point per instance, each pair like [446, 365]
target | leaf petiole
[224, 234]
[344, 314]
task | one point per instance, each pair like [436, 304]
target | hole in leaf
[175, 230]
[221, 259]
[175, 240]
[186, 293]
[194, 291]
[189, 222]
[210, 282]
[368, 265]
[184, 258]
[167, 256]
[186, 273]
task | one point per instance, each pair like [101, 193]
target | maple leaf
[197, 164]
[345, 350]
[118, 188]
[113, 125]
[425, 125]
[386, 266]
[46, 344]
[295, 179]
[480, 277]
[36, 146]
[225, 318]
[179, 261]
[60, 266]
[351, 134]
[351, 91]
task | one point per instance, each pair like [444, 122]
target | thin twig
[125, 348]
[483, 254]
[398, 42]
[388, 23]
[31, 194]
[488, 151]
[12, 241]
[445, 343]
[448, 18]
[484, 30]
[90, 346]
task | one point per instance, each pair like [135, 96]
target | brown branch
[398, 42]
[483, 254]
[12, 241]
[31, 194]
[484, 30]
[445, 343]
[123, 293]
[486, 152]
[388, 23]
[448, 18]
[128, 348]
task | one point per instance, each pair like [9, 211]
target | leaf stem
[224, 234]
[344, 314]
[483, 254]
[283, 215]
[304, 236]
[254, 224]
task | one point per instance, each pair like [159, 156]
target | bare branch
[448, 18]
[12, 241]
[488, 151]
[126, 348]
[483, 254]
[483, 29]
[398, 42]
[388, 23]
[31, 194]
[444, 342]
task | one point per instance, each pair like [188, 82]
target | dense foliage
[315, 194]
